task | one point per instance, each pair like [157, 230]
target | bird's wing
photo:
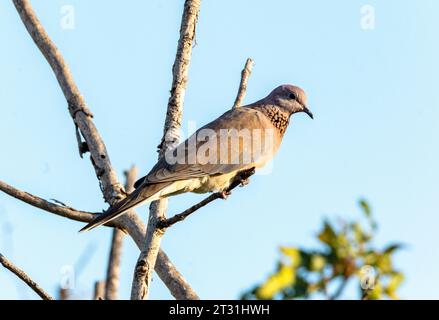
[187, 163]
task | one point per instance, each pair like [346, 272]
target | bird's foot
[225, 194]
[244, 182]
[122, 190]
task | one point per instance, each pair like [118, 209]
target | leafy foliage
[346, 252]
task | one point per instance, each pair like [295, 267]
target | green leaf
[366, 208]
[376, 292]
[294, 254]
[301, 287]
[327, 235]
[284, 278]
[342, 246]
[370, 258]
[384, 263]
[360, 236]
[368, 213]
[392, 247]
[318, 262]
[396, 278]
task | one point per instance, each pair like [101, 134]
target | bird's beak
[306, 110]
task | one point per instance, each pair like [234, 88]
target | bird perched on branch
[243, 138]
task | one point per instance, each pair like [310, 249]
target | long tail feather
[134, 199]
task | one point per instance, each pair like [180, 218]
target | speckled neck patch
[278, 118]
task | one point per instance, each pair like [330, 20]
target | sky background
[373, 94]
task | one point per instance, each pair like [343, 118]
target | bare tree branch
[177, 285]
[82, 118]
[245, 74]
[78, 109]
[173, 279]
[99, 290]
[148, 256]
[180, 71]
[23, 276]
[240, 179]
[113, 271]
[38, 202]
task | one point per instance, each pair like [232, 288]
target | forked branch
[82, 118]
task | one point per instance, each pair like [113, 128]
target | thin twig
[113, 270]
[245, 74]
[82, 118]
[240, 179]
[23, 276]
[148, 256]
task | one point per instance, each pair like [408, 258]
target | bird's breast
[214, 183]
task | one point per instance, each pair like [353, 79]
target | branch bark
[99, 290]
[82, 118]
[113, 270]
[23, 276]
[245, 74]
[148, 256]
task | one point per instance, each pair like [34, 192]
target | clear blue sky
[373, 93]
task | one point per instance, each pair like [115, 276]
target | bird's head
[290, 98]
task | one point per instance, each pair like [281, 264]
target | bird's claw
[224, 194]
[244, 182]
[122, 190]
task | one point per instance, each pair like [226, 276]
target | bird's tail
[134, 199]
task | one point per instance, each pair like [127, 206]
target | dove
[241, 139]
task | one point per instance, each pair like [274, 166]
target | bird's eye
[293, 96]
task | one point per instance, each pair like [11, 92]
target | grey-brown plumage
[185, 169]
